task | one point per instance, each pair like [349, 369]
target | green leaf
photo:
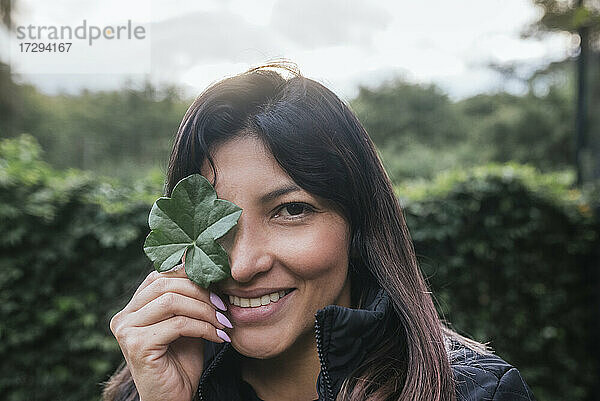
[193, 219]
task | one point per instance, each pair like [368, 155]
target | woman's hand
[161, 333]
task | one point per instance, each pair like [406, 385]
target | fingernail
[216, 301]
[222, 335]
[223, 320]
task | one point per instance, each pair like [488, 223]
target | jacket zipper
[215, 362]
[324, 371]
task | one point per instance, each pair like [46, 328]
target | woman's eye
[293, 210]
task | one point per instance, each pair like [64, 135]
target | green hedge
[509, 256]
[505, 250]
[70, 254]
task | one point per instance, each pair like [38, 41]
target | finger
[165, 332]
[153, 275]
[177, 271]
[173, 304]
[167, 284]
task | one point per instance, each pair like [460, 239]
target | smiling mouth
[259, 301]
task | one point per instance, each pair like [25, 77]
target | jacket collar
[345, 336]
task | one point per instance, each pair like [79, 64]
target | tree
[415, 127]
[533, 129]
[402, 112]
[580, 18]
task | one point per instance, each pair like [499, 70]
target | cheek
[314, 252]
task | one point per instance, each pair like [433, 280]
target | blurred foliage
[121, 133]
[6, 7]
[581, 20]
[9, 99]
[416, 128]
[533, 129]
[70, 254]
[420, 132]
[509, 256]
[420, 113]
[505, 249]
[568, 16]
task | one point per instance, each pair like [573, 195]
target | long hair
[320, 143]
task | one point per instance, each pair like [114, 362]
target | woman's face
[287, 243]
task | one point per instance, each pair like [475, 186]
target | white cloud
[342, 43]
[316, 23]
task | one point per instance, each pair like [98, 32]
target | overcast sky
[342, 43]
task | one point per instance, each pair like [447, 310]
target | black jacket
[344, 337]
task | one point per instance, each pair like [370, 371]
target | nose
[247, 246]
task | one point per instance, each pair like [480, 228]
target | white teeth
[255, 302]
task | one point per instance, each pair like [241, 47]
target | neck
[290, 376]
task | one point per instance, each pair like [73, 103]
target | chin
[261, 343]
[258, 348]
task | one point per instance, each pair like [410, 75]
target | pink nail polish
[223, 320]
[216, 301]
[222, 335]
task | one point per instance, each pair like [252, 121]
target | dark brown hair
[320, 143]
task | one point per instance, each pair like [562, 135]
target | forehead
[248, 173]
[243, 161]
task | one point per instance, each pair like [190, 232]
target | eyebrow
[276, 193]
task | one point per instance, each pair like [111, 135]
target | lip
[254, 293]
[258, 314]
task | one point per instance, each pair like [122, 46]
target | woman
[325, 299]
